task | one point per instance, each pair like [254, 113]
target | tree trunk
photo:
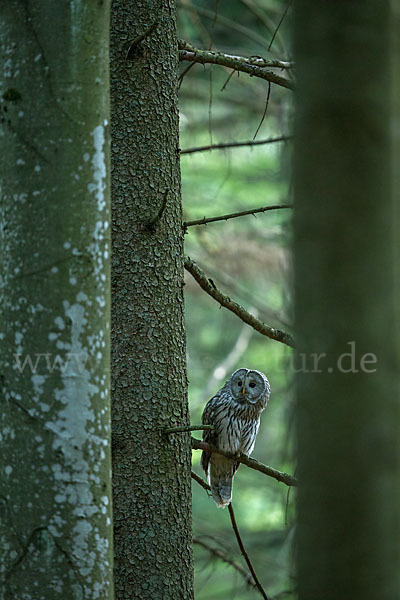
[347, 409]
[54, 333]
[395, 162]
[151, 470]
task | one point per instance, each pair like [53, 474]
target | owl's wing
[209, 435]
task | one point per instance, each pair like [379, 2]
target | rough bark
[151, 470]
[55, 530]
[348, 442]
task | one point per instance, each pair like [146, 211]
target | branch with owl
[234, 413]
[230, 424]
[252, 463]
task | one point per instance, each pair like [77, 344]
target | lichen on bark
[56, 527]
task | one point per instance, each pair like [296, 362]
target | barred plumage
[234, 412]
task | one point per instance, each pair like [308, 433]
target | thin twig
[264, 18]
[225, 558]
[279, 24]
[265, 111]
[249, 462]
[134, 43]
[228, 79]
[287, 506]
[242, 213]
[210, 102]
[254, 66]
[157, 217]
[213, 25]
[244, 553]
[282, 138]
[184, 72]
[209, 286]
[188, 428]
[256, 583]
[200, 481]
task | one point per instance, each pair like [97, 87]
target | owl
[234, 412]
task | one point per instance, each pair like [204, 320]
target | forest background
[248, 258]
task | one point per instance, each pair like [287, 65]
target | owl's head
[248, 386]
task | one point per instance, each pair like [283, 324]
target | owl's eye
[239, 382]
[252, 384]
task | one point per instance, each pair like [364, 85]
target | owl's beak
[243, 391]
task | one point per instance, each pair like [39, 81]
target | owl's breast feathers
[235, 427]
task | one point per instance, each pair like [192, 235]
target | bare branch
[256, 61]
[242, 213]
[209, 286]
[188, 428]
[265, 19]
[265, 111]
[227, 79]
[279, 24]
[250, 462]
[224, 557]
[282, 138]
[200, 481]
[134, 43]
[184, 72]
[244, 553]
[235, 528]
[151, 225]
[254, 66]
[205, 485]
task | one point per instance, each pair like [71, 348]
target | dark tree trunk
[347, 413]
[152, 501]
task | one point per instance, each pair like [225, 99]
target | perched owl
[234, 412]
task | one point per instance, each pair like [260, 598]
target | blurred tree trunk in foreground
[395, 130]
[55, 498]
[151, 471]
[347, 412]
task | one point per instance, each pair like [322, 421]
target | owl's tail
[220, 472]
[221, 489]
